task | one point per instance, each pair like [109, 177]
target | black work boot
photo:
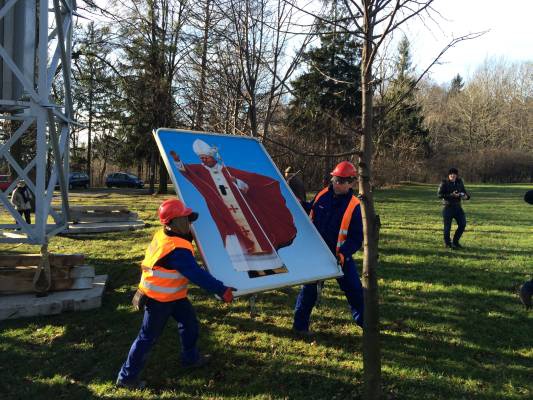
[202, 360]
[303, 333]
[525, 293]
[133, 385]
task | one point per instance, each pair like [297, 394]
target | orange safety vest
[346, 218]
[157, 282]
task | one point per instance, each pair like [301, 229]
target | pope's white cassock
[248, 209]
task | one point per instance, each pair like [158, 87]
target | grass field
[452, 326]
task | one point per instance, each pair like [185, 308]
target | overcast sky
[510, 25]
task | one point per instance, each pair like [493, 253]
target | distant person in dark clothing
[452, 191]
[526, 290]
[21, 200]
[295, 183]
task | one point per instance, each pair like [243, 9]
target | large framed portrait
[252, 232]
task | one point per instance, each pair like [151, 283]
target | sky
[510, 35]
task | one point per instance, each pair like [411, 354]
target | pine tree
[403, 119]
[93, 87]
[148, 68]
[456, 85]
[326, 99]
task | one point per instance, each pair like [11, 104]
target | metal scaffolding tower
[35, 57]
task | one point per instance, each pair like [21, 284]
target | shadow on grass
[141, 234]
[89, 348]
[469, 252]
[262, 358]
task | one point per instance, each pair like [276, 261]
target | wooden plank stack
[81, 214]
[98, 219]
[68, 271]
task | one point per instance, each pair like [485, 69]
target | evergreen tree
[403, 119]
[326, 99]
[148, 67]
[93, 87]
[456, 85]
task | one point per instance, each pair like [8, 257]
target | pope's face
[208, 160]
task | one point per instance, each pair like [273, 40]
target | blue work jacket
[327, 217]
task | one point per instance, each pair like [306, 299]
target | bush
[488, 166]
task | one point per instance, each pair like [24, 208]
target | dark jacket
[297, 186]
[328, 212]
[447, 187]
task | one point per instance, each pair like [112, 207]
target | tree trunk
[371, 225]
[163, 178]
[90, 108]
[327, 160]
[90, 131]
[253, 118]
[152, 172]
[203, 70]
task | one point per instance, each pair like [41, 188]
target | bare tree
[253, 57]
[374, 21]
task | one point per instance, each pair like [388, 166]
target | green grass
[452, 327]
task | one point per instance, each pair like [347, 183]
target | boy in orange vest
[167, 268]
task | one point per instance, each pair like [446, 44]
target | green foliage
[93, 91]
[402, 123]
[452, 326]
[456, 85]
[325, 106]
[330, 88]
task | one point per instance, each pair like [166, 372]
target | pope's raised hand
[175, 156]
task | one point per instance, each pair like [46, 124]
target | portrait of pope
[247, 208]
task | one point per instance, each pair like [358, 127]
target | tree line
[249, 67]
[315, 91]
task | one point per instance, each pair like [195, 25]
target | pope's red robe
[263, 198]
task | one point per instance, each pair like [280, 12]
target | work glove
[139, 300]
[227, 297]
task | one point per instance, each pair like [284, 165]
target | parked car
[78, 179]
[5, 181]
[123, 179]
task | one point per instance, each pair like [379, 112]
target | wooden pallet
[28, 305]
[68, 271]
[92, 214]
[99, 219]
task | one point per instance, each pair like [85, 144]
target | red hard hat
[172, 208]
[345, 169]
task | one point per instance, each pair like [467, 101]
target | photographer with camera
[452, 191]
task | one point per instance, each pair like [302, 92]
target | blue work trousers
[450, 213]
[350, 284]
[156, 314]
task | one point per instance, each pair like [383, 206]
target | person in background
[296, 184]
[452, 191]
[167, 268]
[21, 200]
[336, 213]
[526, 290]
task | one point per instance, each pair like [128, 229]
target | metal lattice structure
[35, 59]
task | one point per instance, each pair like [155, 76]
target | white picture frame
[252, 232]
